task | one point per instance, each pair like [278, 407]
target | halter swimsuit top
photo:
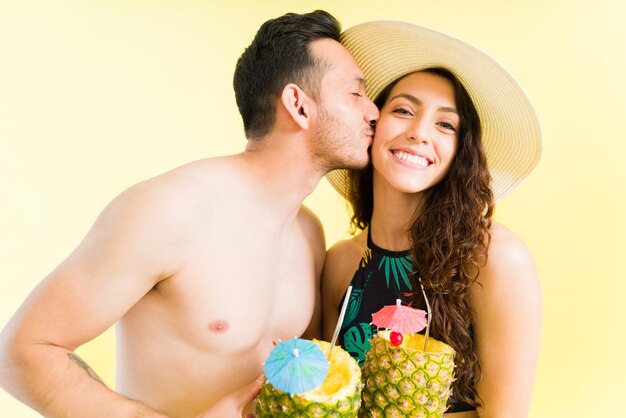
[381, 278]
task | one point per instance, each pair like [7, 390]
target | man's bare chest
[234, 296]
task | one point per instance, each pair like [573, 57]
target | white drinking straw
[429, 314]
[340, 320]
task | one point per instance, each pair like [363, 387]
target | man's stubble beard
[338, 146]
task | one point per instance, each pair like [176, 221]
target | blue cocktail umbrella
[296, 366]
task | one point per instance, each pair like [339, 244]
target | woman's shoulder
[342, 260]
[509, 263]
[506, 247]
[347, 250]
[508, 284]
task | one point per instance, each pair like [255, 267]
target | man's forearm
[59, 384]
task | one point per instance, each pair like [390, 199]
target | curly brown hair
[449, 237]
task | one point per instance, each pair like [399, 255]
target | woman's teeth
[410, 158]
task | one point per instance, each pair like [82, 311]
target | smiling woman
[416, 137]
[428, 197]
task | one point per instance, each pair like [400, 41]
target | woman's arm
[506, 301]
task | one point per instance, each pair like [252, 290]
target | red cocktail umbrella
[400, 318]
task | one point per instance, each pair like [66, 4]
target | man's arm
[314, 233]
[123, 256]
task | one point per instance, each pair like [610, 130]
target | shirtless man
[204, 266]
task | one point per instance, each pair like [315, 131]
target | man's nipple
[218, 326]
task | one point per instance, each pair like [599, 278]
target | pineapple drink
[338, 396]
[405, 380]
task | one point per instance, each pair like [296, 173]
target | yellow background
[98, 95]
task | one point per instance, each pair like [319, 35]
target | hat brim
[511, 133]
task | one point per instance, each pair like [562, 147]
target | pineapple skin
[405, 382]
[275, 403]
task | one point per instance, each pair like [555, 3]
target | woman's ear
[298, 104]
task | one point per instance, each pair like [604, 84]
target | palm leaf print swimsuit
[382, 277]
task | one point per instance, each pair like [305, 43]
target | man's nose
[372, 114]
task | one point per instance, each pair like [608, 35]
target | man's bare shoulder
[175, 189]
[311, 225]
[171, 201]
[210, 174]
[165, 195]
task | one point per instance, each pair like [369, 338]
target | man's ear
[298, 104]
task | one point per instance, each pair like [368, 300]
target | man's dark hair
[279, 55]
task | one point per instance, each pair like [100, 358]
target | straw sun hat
[511, 135]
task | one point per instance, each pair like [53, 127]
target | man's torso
[206, 330]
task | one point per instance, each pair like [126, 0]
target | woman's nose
[418, 132]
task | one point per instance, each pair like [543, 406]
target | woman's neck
[392, 217]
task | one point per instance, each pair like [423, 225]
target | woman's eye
[402, 111]
[357, 94]
[447, 125]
